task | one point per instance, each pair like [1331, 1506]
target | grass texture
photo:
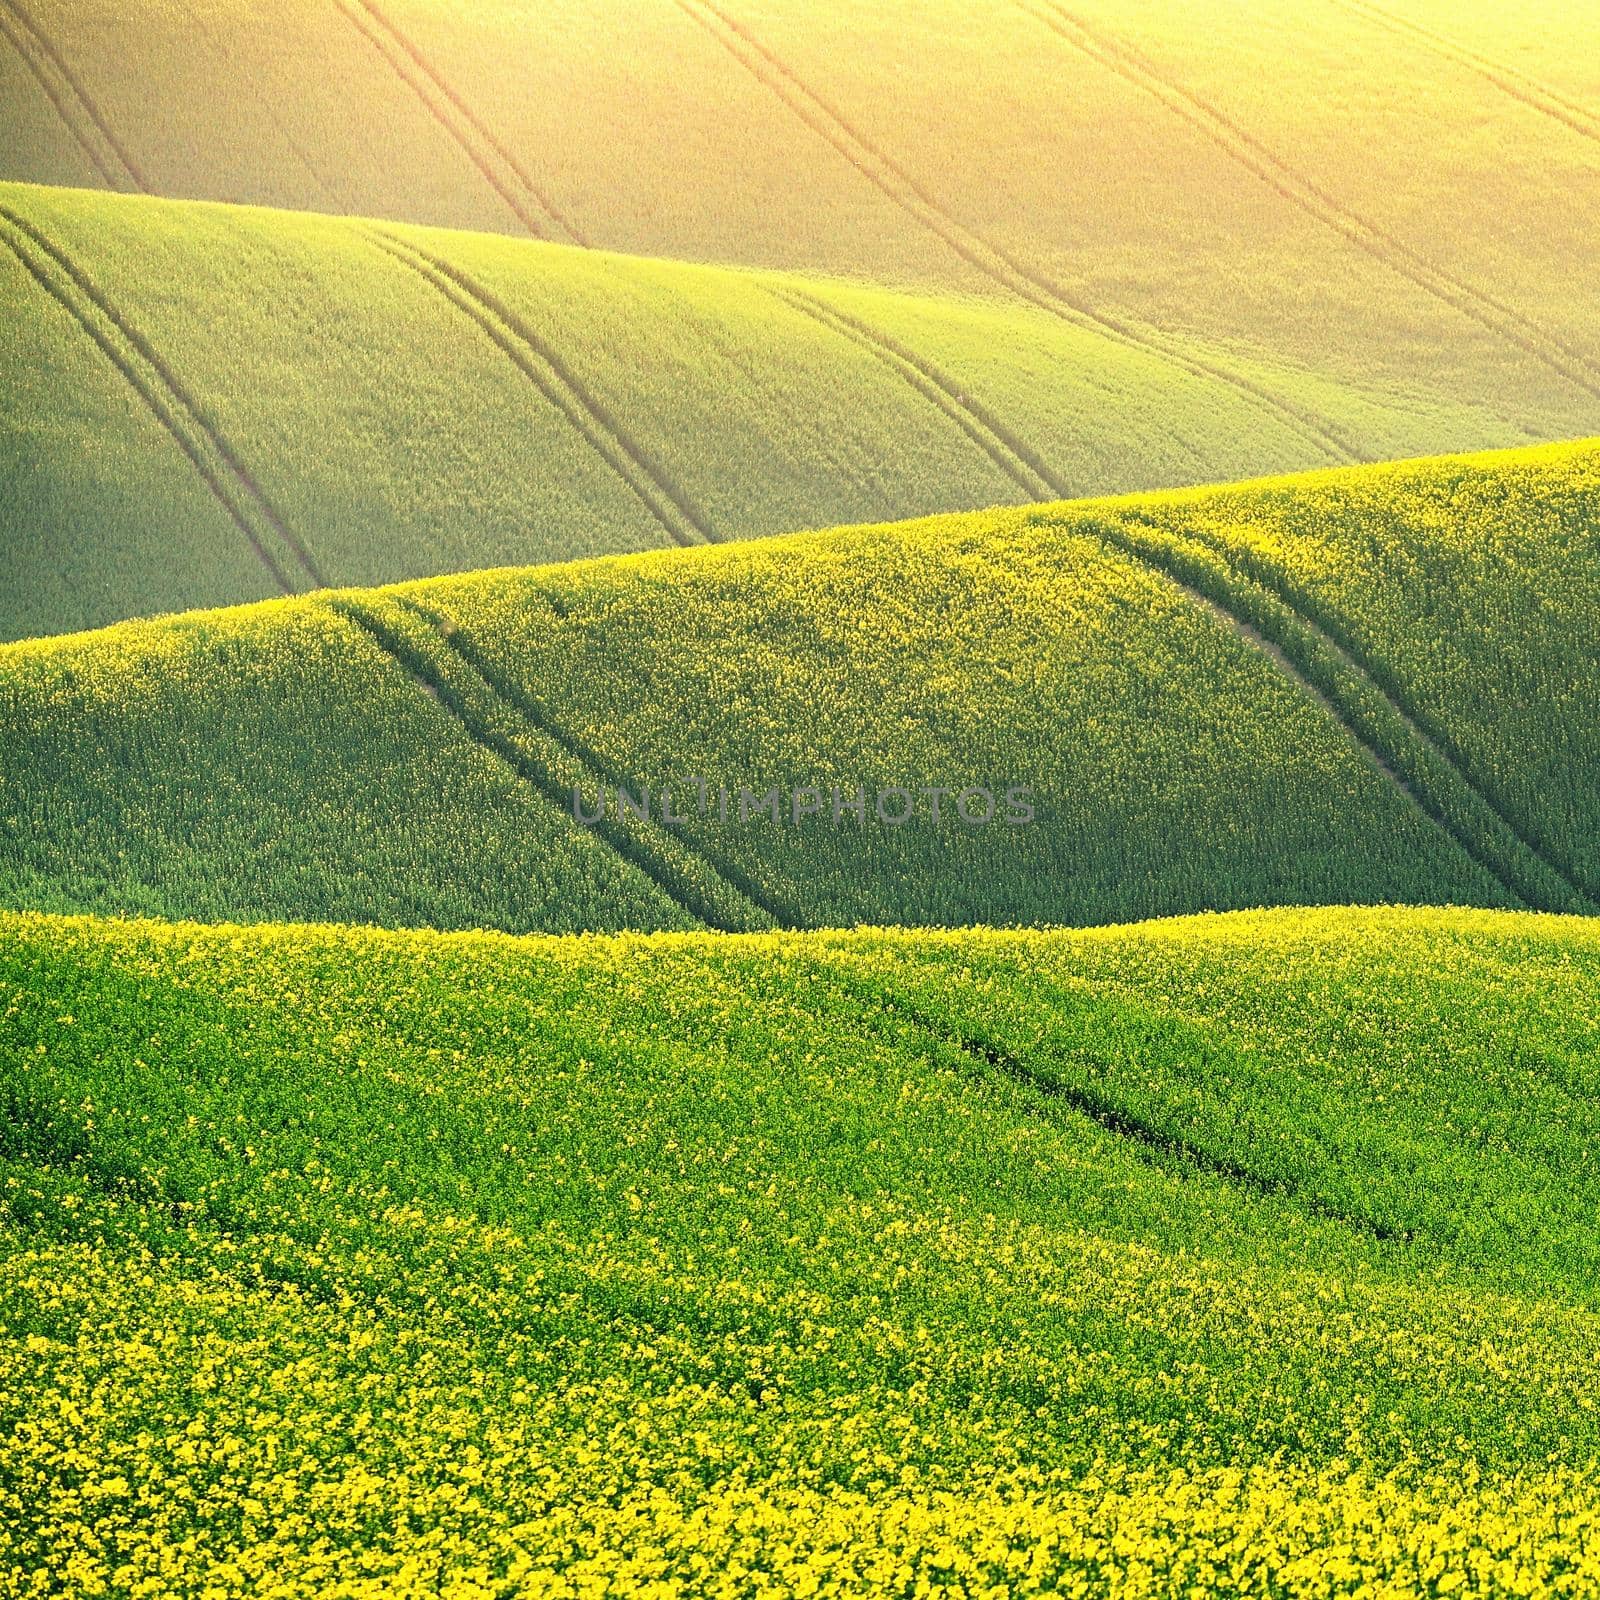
[1389, 194]
[1250, 1254]
[210, 405]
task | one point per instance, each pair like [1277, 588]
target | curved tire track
[49, 89]
[979, 252]
[488, 154]
[539, 363]
[40, 55]
[1004, 449]
[1519, 86]
[1216, 603]
[162, 395]
[1417, 725]
[1146, 1139]
[516, 700]
[1478, 305]
[1520, 868]
[410, 636]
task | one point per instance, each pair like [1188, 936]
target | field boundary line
[1145, 1139]
[153, 383]
[418, 657]
[979, 252]
[542, 366]
[23, 20]
[450, 110]
[1478, 305]
[1520, 86]
[1261, 622]
[1008, 453]
[459, 639]
[1354, 659]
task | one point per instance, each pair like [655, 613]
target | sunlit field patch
[1236, 1254]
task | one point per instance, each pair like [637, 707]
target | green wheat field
[799, 798]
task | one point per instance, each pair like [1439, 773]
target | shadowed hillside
[1370, 685]
[1340, 231]
[211, 405]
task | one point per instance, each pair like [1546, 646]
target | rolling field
[1362, 686]
[1250, 1254]
[798, 799]
[214, 405]
[1323, 188]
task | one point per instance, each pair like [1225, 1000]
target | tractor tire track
[980, 252]
[1387, 249]
[539, 363]
[21, 30]
[1150, 1143]
[47, 87]
[1388, 764]
[223, 64]
[1008, 453]
[1520, 876]
[236, 469]
[1354, 660]
[497, 166]
[454, 637]
[427, 673]
[153, 382]
[1519, 86]
[1217, 606]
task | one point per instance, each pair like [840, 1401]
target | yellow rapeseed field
[343, 1264]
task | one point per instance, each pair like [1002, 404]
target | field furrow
[52, 92]
[1336, 639]
[248, 491]
[41, 55]
[497, 167]
[585, 765]
[1187, 736]
[1487, 310]
[146, 376]
[892, 180]
[538, 361]
[840, 837]
[1162, 1146]
[690, 1261]
[1509, 80]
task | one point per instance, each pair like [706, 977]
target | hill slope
[1203, 1255]
[1391, 193]
[209, 405]
[1372, 685]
